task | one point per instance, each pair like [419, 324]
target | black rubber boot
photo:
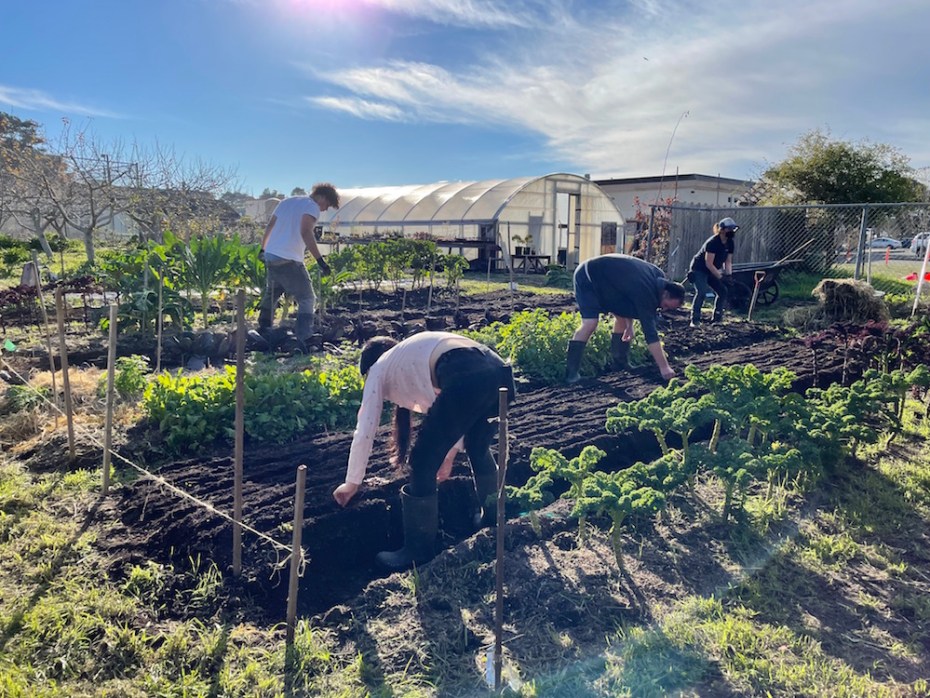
[619, 353]
[718, 315]
[573, 365]
[486, 489]
[265, 319]
[304, 328]
[421, 524]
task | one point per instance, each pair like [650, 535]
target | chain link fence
[880, 243]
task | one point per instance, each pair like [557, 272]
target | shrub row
[193, 412]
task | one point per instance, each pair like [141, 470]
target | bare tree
[170, 192]
[86, 197]
[24, 161]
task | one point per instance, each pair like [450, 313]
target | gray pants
[290, 277]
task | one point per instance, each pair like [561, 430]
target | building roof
[709, 179]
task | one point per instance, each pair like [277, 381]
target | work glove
[324, 267]
[261, 255]
[728, 279]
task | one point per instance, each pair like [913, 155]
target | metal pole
[863, 224]
[295, 556]
[66, 382]
[111, 379]
[920, 279]
[502, 457]
[240, 432]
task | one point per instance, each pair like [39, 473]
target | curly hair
[328, 192]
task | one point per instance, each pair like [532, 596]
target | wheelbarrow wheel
[739, 295]
[768, 295]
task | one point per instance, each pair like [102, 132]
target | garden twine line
[174, 488]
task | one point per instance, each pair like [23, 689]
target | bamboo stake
[240, 432]
[66, 382]
[502, 457]
[48, 333]
[295, 556]
[111, 379]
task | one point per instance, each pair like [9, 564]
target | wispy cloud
[362, 108]
[37, 100]
[606, 91]
[464, 13]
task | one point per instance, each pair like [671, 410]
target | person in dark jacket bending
[711, 269]
[628, 288]
[455, 382]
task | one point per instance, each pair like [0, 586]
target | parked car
[919, 244]
[885, 242]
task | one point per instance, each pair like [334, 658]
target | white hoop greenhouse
[557, 218]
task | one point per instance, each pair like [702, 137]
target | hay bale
[840, 300]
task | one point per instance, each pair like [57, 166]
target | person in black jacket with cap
[628, 288]
[712, 269]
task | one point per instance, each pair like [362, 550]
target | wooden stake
[502, 457]
[429, 298]
[295, 556]
[66, 383]
[240, 432]
[111, 379]
[48, 333]
[161, 321]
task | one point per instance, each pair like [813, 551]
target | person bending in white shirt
[455, 382]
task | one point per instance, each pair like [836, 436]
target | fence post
[65, 379]
[295, 557]
[860, 253]
[240, 432]
[111, 379]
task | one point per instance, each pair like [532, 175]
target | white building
[687, 189]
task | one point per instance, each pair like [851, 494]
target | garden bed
[341, 543]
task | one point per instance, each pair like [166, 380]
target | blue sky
[380, 92]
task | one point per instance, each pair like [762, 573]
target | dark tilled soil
[379, 313]
[341, 543]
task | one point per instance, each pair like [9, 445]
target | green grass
[70, 261]
[67, 629]
[534, 283]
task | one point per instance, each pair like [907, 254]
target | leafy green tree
[821, 170]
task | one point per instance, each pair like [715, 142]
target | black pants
[468, 380]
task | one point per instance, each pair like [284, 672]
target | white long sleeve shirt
[403, 376]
